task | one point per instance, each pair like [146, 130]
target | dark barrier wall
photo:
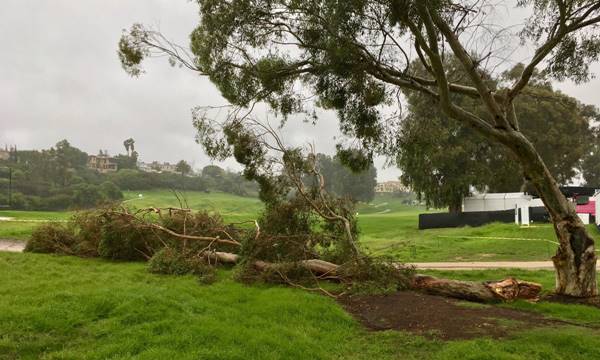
[539, 214]
[472, 218]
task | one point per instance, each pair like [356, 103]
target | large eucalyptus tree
[355, 56]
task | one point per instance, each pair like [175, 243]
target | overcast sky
[60, 77]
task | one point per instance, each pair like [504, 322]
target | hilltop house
[390, 187]
[8, 153]
[102, 163]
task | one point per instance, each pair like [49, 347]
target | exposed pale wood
[318, 267]
[491, 291]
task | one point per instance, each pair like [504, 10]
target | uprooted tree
[356, 55]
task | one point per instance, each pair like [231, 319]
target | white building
[496, 202]
[390, 187]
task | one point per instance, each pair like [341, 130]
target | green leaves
[133, 50]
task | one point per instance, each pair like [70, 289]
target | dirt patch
[12, 246]
[438, 317]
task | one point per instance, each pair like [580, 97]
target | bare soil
[11, 245]
[439, 317]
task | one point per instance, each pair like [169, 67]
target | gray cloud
[60, 78]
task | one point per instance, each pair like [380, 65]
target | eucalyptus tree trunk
[575, 258]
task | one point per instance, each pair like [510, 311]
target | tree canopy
[183, 167]
[355, 56]
[342, 181]
[443, 160]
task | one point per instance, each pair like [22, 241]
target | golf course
[63, 307]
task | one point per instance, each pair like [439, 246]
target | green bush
[123, 240]
[374, 275]
[110, 191]
[86, 196]
[172, 262]
[51, 238]
[88, 231]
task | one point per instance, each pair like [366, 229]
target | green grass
[233, 208]
[387, 227]
[57, 307]
[396, 233]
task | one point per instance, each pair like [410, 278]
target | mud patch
[438, 317]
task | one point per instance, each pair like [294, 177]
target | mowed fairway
[56, 307]
[233, 208]
[387, 227]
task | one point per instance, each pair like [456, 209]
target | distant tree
[125, 161]
[129, 146]
[213, 171]
[442, 159]
[86, 196]
[183, 167]
[110, 191]
[344, 182]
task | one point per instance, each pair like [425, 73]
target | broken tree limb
[193, 237]
[480, 291]
[318, 267]
[490, 291]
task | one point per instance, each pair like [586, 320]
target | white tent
[496, 201]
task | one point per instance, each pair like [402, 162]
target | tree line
[58, 178]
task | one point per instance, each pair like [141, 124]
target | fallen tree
[487, 291]
[84, 236]
[508, 289]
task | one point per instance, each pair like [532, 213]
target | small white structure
[585, 218]
[523, 210]
[496, 202]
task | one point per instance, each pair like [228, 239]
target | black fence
[472, 218]
[537, 214]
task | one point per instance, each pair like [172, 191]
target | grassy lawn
[57, 307]
[387, 227]
[233, 208]
[391, 228]
[22, 227]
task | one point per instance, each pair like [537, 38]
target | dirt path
[11, 245]
[483, 265]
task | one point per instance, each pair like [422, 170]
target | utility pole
[10, 187]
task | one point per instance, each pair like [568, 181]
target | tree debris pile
[119, 234]
[288, 244]
[290, 250]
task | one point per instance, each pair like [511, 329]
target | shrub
[88, 231]
[56, 202]
[123, 240]
[200, 223]
[86, 196]
[279, 274]
[51, 238]
[110, 191]
[375, 275]
[172, 262]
